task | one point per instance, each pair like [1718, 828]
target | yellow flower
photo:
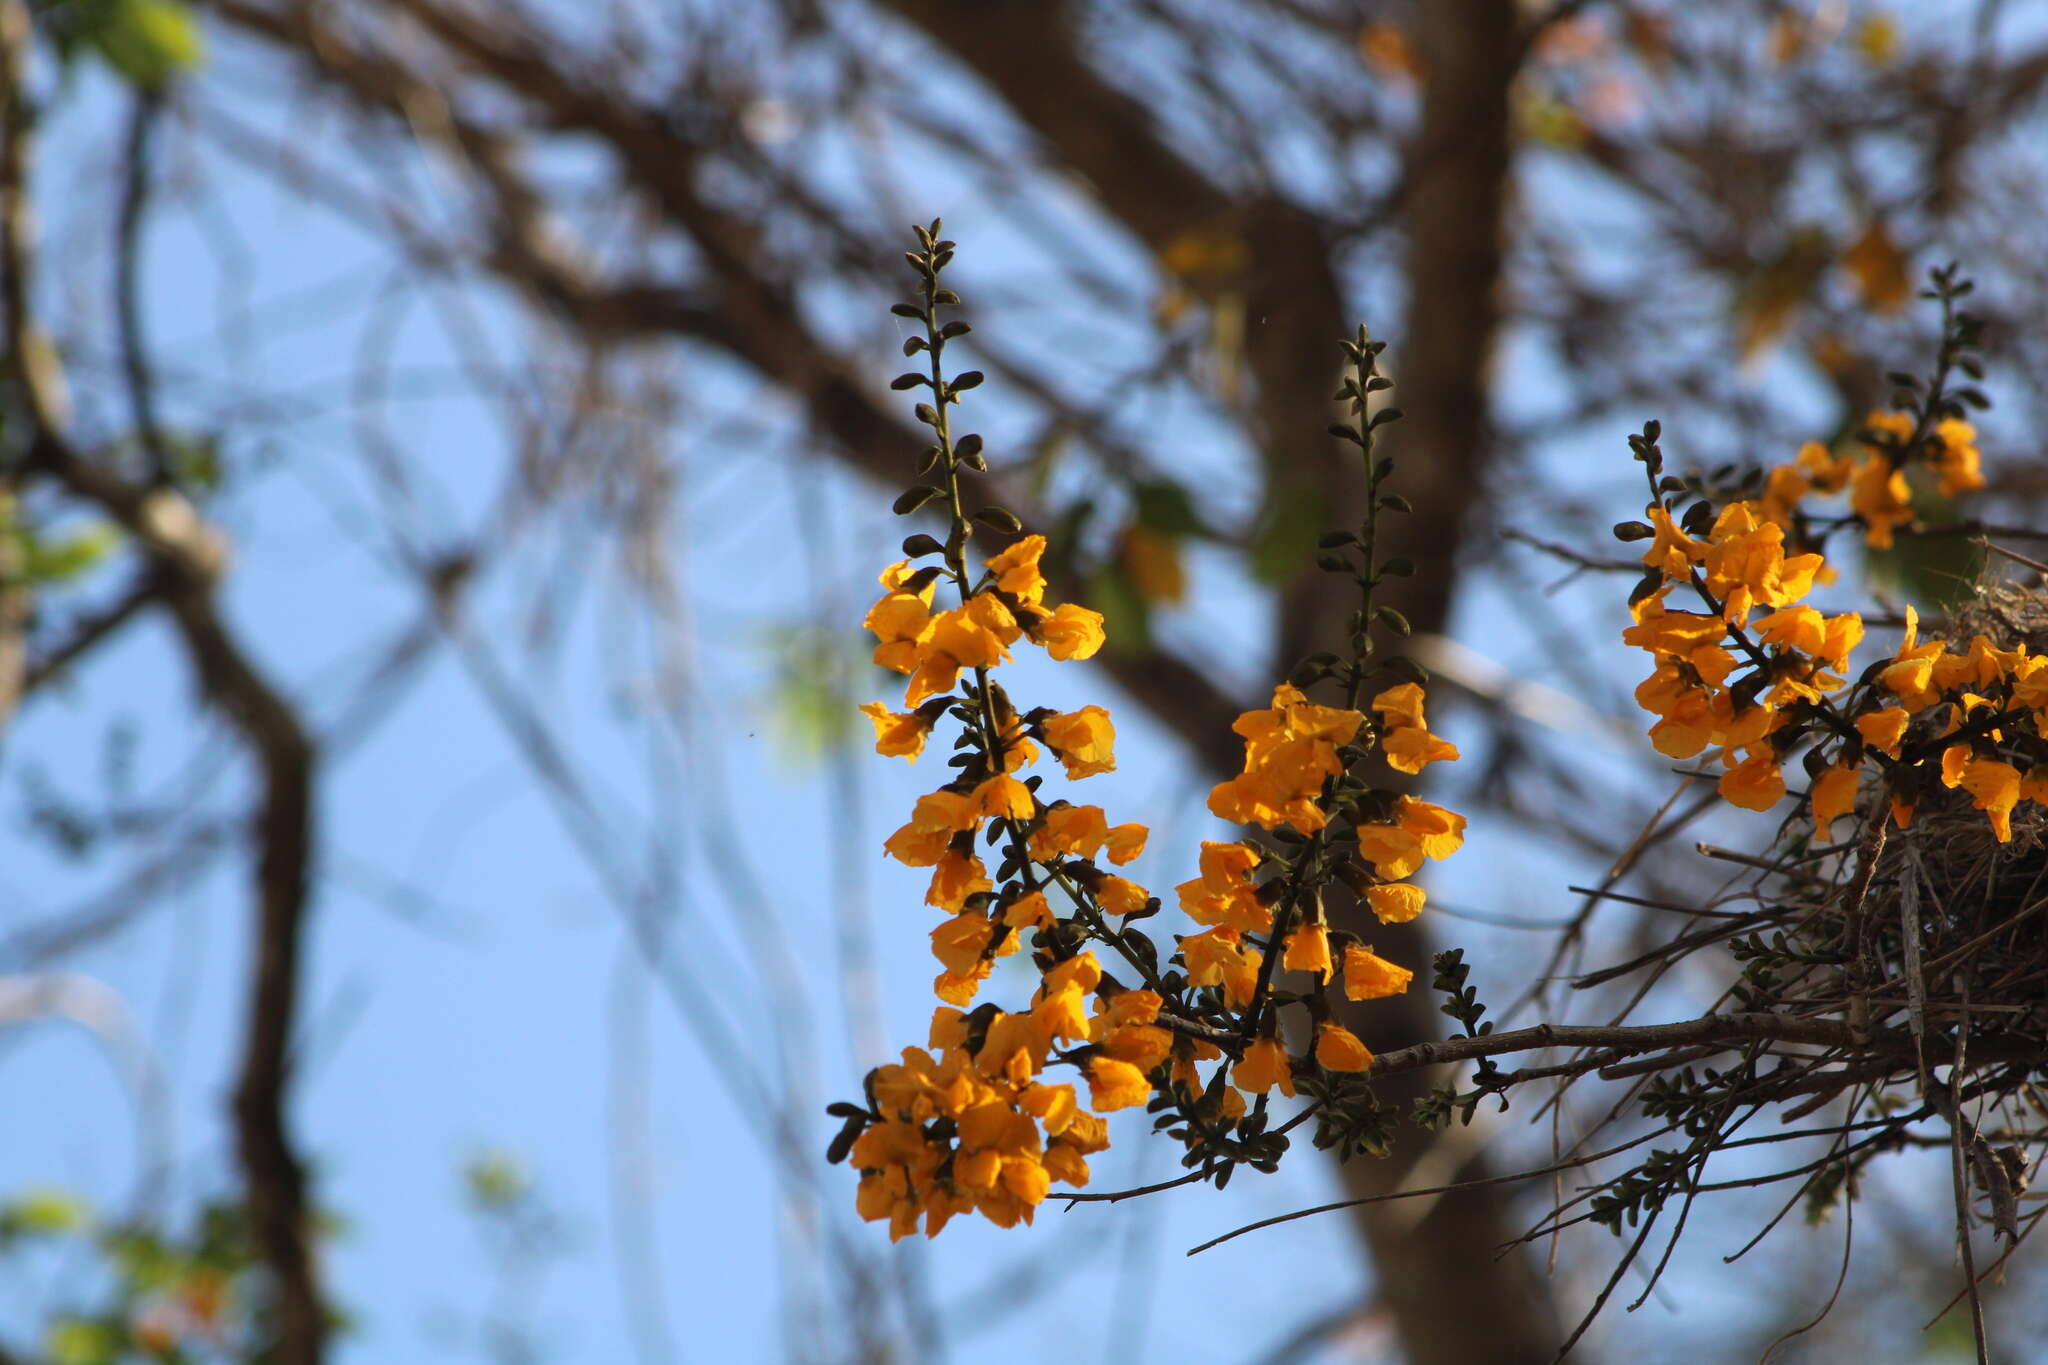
[957, 988]
[1954, 457]
[1228, 862]
[1222, 895]
[1060, 1014]
[955, 877]
[934, 821]
[1828, 473]
[1004, 797]
[1840, 639]
[1121, 897]
[1209, 955]
[1216, 958]
[1910, 675]
[1368, 976]
[1116, 1085]
[1672, 552]
[1407, 742]
[932, 672]
[1126, 843]
[1747, 567]
[1883, 729]
[1029, 911]
[948, 1030]
[1393, 851]
[2030, 684]
[1308, 950]
[1014, 1049]
[1082, 970]
[1069, 632]
[1994, 787]
[1408, 750]
[1066, 1165]
[1395, 902]
[1076, 830]
[915, 847]
[1130, 1007]
[897, 735]
[1017, 572]
[1338, 1049]
[899, 618]
[976, 633]
[1265, 1065]
[1679, 633]
[1084, 740]
[1442, 831]
[1052, 1105]
[958, 942]
[1783, 490]
[1880, 495]
[1753, 784]
[1401, 706]
[1142, 1045]
[1687, 727]
[1833, 796]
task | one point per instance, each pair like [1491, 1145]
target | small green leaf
[147, 41]
[1165, 506]
[1126, 619]
[1286, 536]
[80, 1341]
[912, 498]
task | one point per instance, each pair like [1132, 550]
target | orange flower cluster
[933, 647]
[970, 1123]
[1983, 700]
[1293, 750]
[1759, 687]
[1695, 691]
[967, 1126]
[1875, 473]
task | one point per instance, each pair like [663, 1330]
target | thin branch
[190, 556]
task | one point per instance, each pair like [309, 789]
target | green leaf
[810, 704]
[1165, 506]
[46, 1212]
[70, 557]
[1934, 572]
[496, 1179]
[1126, 620]
[1285, 538]
[147, 41]
[78, 1341]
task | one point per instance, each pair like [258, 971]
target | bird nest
[1902, 971]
